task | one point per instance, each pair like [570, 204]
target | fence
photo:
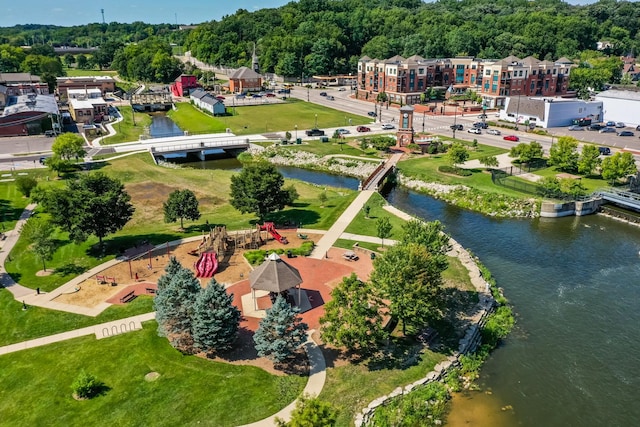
[503, 178]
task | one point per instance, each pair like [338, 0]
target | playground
[147, 263]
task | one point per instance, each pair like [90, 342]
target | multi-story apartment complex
[405, 80]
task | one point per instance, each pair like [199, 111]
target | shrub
[455, 171]
[25, 184]
[498, 326]
[86, 386]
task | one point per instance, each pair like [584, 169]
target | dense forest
[310, 37]
[329, 36]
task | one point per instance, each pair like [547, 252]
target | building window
[534, 72]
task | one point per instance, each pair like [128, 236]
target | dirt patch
[151, 376]
[43, 273]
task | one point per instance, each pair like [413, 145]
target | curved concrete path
[19, 292]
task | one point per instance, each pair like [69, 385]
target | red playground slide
[207, 265]
[268, 226]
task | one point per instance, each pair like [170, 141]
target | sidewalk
[340, 225]
[19, 292]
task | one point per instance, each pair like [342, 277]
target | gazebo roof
[274, 275]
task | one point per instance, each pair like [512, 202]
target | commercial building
[29, 115]
[245, 80]
[87, 106]
[16, 84]
[549, 112]
[103, 83]
[207, 102]
[407, 81]
[620, 106]
[183, 84]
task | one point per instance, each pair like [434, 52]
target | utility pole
[102, 12]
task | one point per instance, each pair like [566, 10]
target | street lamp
[424, 113]
[316, 126]
[296, 128]
[455, 117]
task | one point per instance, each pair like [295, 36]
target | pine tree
[280, 333]
[169, 271]
[175, 307]
[216, 319]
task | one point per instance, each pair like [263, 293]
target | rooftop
[26, 103]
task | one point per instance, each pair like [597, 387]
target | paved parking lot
[608, 139]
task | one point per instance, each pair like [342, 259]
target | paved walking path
[504, 161]
[6, 245]
[98, 330]
[340, 225]
[315, 383]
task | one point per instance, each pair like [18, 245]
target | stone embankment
[467, 344]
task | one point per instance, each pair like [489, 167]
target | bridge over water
[624, 198]
[381, 172]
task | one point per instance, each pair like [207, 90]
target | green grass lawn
[18, 325]
[326, 148]
[125, 130]
[367, 226]
[348, 244]
[259, 119]
[189, 391]
[591, 184]
[149, 186]
[75, 72]
[352, 387]
[12, 203]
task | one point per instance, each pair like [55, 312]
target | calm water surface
[162, 126]
[574, 357]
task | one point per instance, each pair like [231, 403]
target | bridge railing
[200, 145]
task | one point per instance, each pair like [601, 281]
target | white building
[549, 112]
[620, 106]
[87, 105]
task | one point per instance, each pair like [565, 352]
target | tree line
[327, 37]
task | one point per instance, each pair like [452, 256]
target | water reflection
[162, 126]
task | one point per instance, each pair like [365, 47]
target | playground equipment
[207, 265]
[271, 229]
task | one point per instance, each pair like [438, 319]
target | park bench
[128, 297]
[100, 280]
[303, 236]
[111, 280]
[151, 291]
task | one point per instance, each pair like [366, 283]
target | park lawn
[17, 325]
[348, 244]
[458, 274]
[425, 168]
[332, 148]
[350, 388]
[260, 119]
[149, 186]
[75, 72]
[367, 226]
[189, 391]
[12, 203]
[591, 184]
[126, 131]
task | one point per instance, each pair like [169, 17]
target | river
[574, 357]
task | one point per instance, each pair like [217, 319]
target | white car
[342, 89]
[493, 132]
[477, 131]
[388, 126]
[342, 131]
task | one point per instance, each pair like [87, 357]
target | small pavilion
[274, 275]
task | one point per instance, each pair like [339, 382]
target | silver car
[620, 125]
[493, 132]
[607, 130]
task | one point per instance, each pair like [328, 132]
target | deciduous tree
[181, 204]
[383, 228]
[259, 189]
[457, 154]
[68, 146]
[618, 166]
[37, 231]
[352, 318]
[589, 159]
[564, 154]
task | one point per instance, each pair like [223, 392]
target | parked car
[611, 123]
[257, 95]
[493, 132]
[607, 130]
[315, 132]
[270, 95]
[482, 116]
[575, 127]
[620, 125]
[220, 98]
[456, 127]
[595, 126]
[330, 98]
[638, 127]
[605, 151]
[363, 129]
[342, 131]
[323, 93]
[625, 133]
[481, 125]
[342, 89]
[388, 126]
[477, 131]
[371, 114]
[511, 138]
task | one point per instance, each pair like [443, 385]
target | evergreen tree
[215, 320]
[174, 304]
[280, 333]
[310, 412]
[169, 271]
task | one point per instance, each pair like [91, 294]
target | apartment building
[405, 80]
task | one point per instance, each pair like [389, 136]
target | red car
[363, 129]
[511, 138]
[270, 95]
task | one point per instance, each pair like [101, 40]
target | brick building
[104, 83]
[406, 80]
[183, 84]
